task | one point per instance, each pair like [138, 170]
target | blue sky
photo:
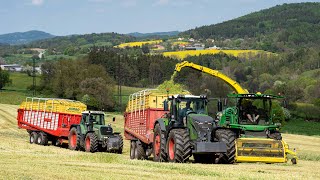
[64, 17]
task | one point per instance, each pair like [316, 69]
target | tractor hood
[200, 118]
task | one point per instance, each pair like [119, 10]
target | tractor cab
[186, 106]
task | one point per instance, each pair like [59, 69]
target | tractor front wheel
[119, 151]
[178, 146]
[91, 142]
[159, 145]
[229, 137]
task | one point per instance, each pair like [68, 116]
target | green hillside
[275, 29]
[70, 45]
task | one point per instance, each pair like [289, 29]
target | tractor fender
[76, 126]
[161, 123]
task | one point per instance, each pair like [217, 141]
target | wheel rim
[157, 145]
[39, 139]
[31, 139]
[73, 140]
[171, 149]
[88, 143]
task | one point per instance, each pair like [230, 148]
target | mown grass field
[21, 160]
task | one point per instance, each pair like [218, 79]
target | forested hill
[76, 42]
[288, 25]
[23, 37]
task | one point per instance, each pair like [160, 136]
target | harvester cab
[252, 113]
[188, 130]
[93, 135]
[257, 137]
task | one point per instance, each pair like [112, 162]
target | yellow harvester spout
[232, 83]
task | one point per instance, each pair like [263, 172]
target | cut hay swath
[237, 53]
[139, 44]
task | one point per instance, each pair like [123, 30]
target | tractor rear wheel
[229, 137]
[42, 139]
[91, 142]
[178, 146]
[74, 139]
[159, 145]
[33, 137]
[133, 146]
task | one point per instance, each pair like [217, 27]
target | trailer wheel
[74, 139]
[133, 147]
[140, 152]
[33, 137]
[91, 142]
[229, 137]
[178, 146]
[159, 145]
[42, 139]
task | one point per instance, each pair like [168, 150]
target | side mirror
[219, 105]
[114, 119]
[165, 105]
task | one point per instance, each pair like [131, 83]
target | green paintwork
[230, 116]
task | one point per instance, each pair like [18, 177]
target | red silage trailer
[143, 109]
[48, 119]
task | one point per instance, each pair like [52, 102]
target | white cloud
[37, 2]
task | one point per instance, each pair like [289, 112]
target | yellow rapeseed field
[21, 160]
[133, 44]
[237, 53]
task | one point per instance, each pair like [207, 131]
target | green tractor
[185, 131]
[249, 131]
[93, 135]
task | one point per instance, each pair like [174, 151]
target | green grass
[299, 126]
[22, 160]
[16, 92]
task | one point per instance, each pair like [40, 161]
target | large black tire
[140, 152]
[74, 139]
[178, 146]
[33, 137]
[133, 146]
[91, 143]
[204, 158]
[159, 145]
[229, 137]
[42, 139]
[119, 151]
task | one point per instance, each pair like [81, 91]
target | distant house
[196, 46]
[180, 39]
[191, 40]
[158, 47]
[11, 67]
